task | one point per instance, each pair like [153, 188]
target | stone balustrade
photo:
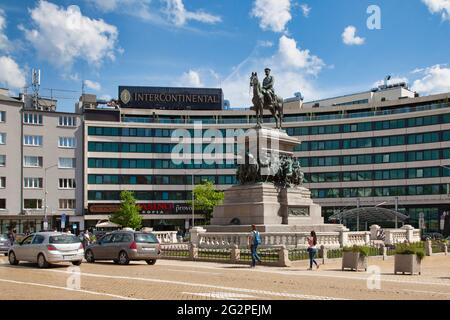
[166, 236]
[359, 238]
[341, 238]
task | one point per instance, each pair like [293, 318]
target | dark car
[4, 244]
[123, 246]
[432, 236]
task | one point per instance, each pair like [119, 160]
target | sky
[321, 48]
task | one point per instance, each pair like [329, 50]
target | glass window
[2, 116]
[32, 118]
[2, 160]
[32, 203]
[32, 183]
[32, 140]
[67, 142]
[66, 163]
[2, 138]
[68, 121]
[32, 161]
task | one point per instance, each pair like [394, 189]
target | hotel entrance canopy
[370, 215]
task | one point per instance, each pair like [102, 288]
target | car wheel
[151, 262]
[76, 263]
[12, 259]
[123, 258]
[41, 261]
[89, 256]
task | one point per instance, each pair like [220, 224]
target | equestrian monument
[270, 193]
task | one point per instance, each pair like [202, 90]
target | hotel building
[384, 147]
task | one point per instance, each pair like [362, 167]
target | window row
[36, 118]
[140, 195]
[415, 190]
[159, 180]
[37, 162]
[37, 183]
[293, 131]
[158, 147]
[428, 137]
[393, 157]
[394, 174]
[63, 142]
[37, 204]
[113, 163]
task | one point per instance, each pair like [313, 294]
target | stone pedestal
[270, 207]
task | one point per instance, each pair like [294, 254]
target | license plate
[69, 257]
[148, 249]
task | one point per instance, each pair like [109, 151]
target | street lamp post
[192, 194]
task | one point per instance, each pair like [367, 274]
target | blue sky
[320, 48]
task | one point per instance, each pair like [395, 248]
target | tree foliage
[128, 214]
[206, 197]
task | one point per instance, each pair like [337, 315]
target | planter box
[354, 261]
[407, 263]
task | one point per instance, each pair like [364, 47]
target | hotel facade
[385, 147]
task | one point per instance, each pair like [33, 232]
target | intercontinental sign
[171, 98]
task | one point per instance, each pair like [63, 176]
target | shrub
[364, 251]
[410, 249]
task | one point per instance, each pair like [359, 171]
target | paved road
[185, 280]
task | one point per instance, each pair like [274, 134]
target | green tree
[128, 214]
[206, 197]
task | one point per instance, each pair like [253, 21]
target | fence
[277, 256]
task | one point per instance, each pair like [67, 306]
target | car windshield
[145, 238]
[63, 238]
[3, 237]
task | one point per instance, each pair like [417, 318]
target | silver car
[124, 246]
[4, 244]
[45, 248]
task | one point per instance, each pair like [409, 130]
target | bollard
[193, 252]
[283, 257]
[323, 253]
[445, 248]
[428, 248]
[235, 254]
[385, 253]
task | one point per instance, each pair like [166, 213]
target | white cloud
[4, 42]
[349, 37]
[63, 35]
[10, 73]
[92, 85]
[436, 79]
[305, 9]
[439, 6]
[273, 14]
[393, 80]
[105, 97]
[289, 55]
[190, 79]
[294, 70]
[265, 44]
[135, 8]
[178, 15]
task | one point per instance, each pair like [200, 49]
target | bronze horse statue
[260, 103]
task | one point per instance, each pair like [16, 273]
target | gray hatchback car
[123, 246]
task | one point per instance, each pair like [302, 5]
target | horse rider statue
[267, 88]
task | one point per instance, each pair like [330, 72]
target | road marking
[202, 285]
[190, 271]
[430, 292]
[67, 289]
[323, 275]
[221, 295]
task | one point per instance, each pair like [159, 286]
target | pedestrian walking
[11, 236]
[254, 241]
[312, 249]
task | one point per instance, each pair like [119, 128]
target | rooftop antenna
[386, 80]
[36, 83]
[82, 87]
